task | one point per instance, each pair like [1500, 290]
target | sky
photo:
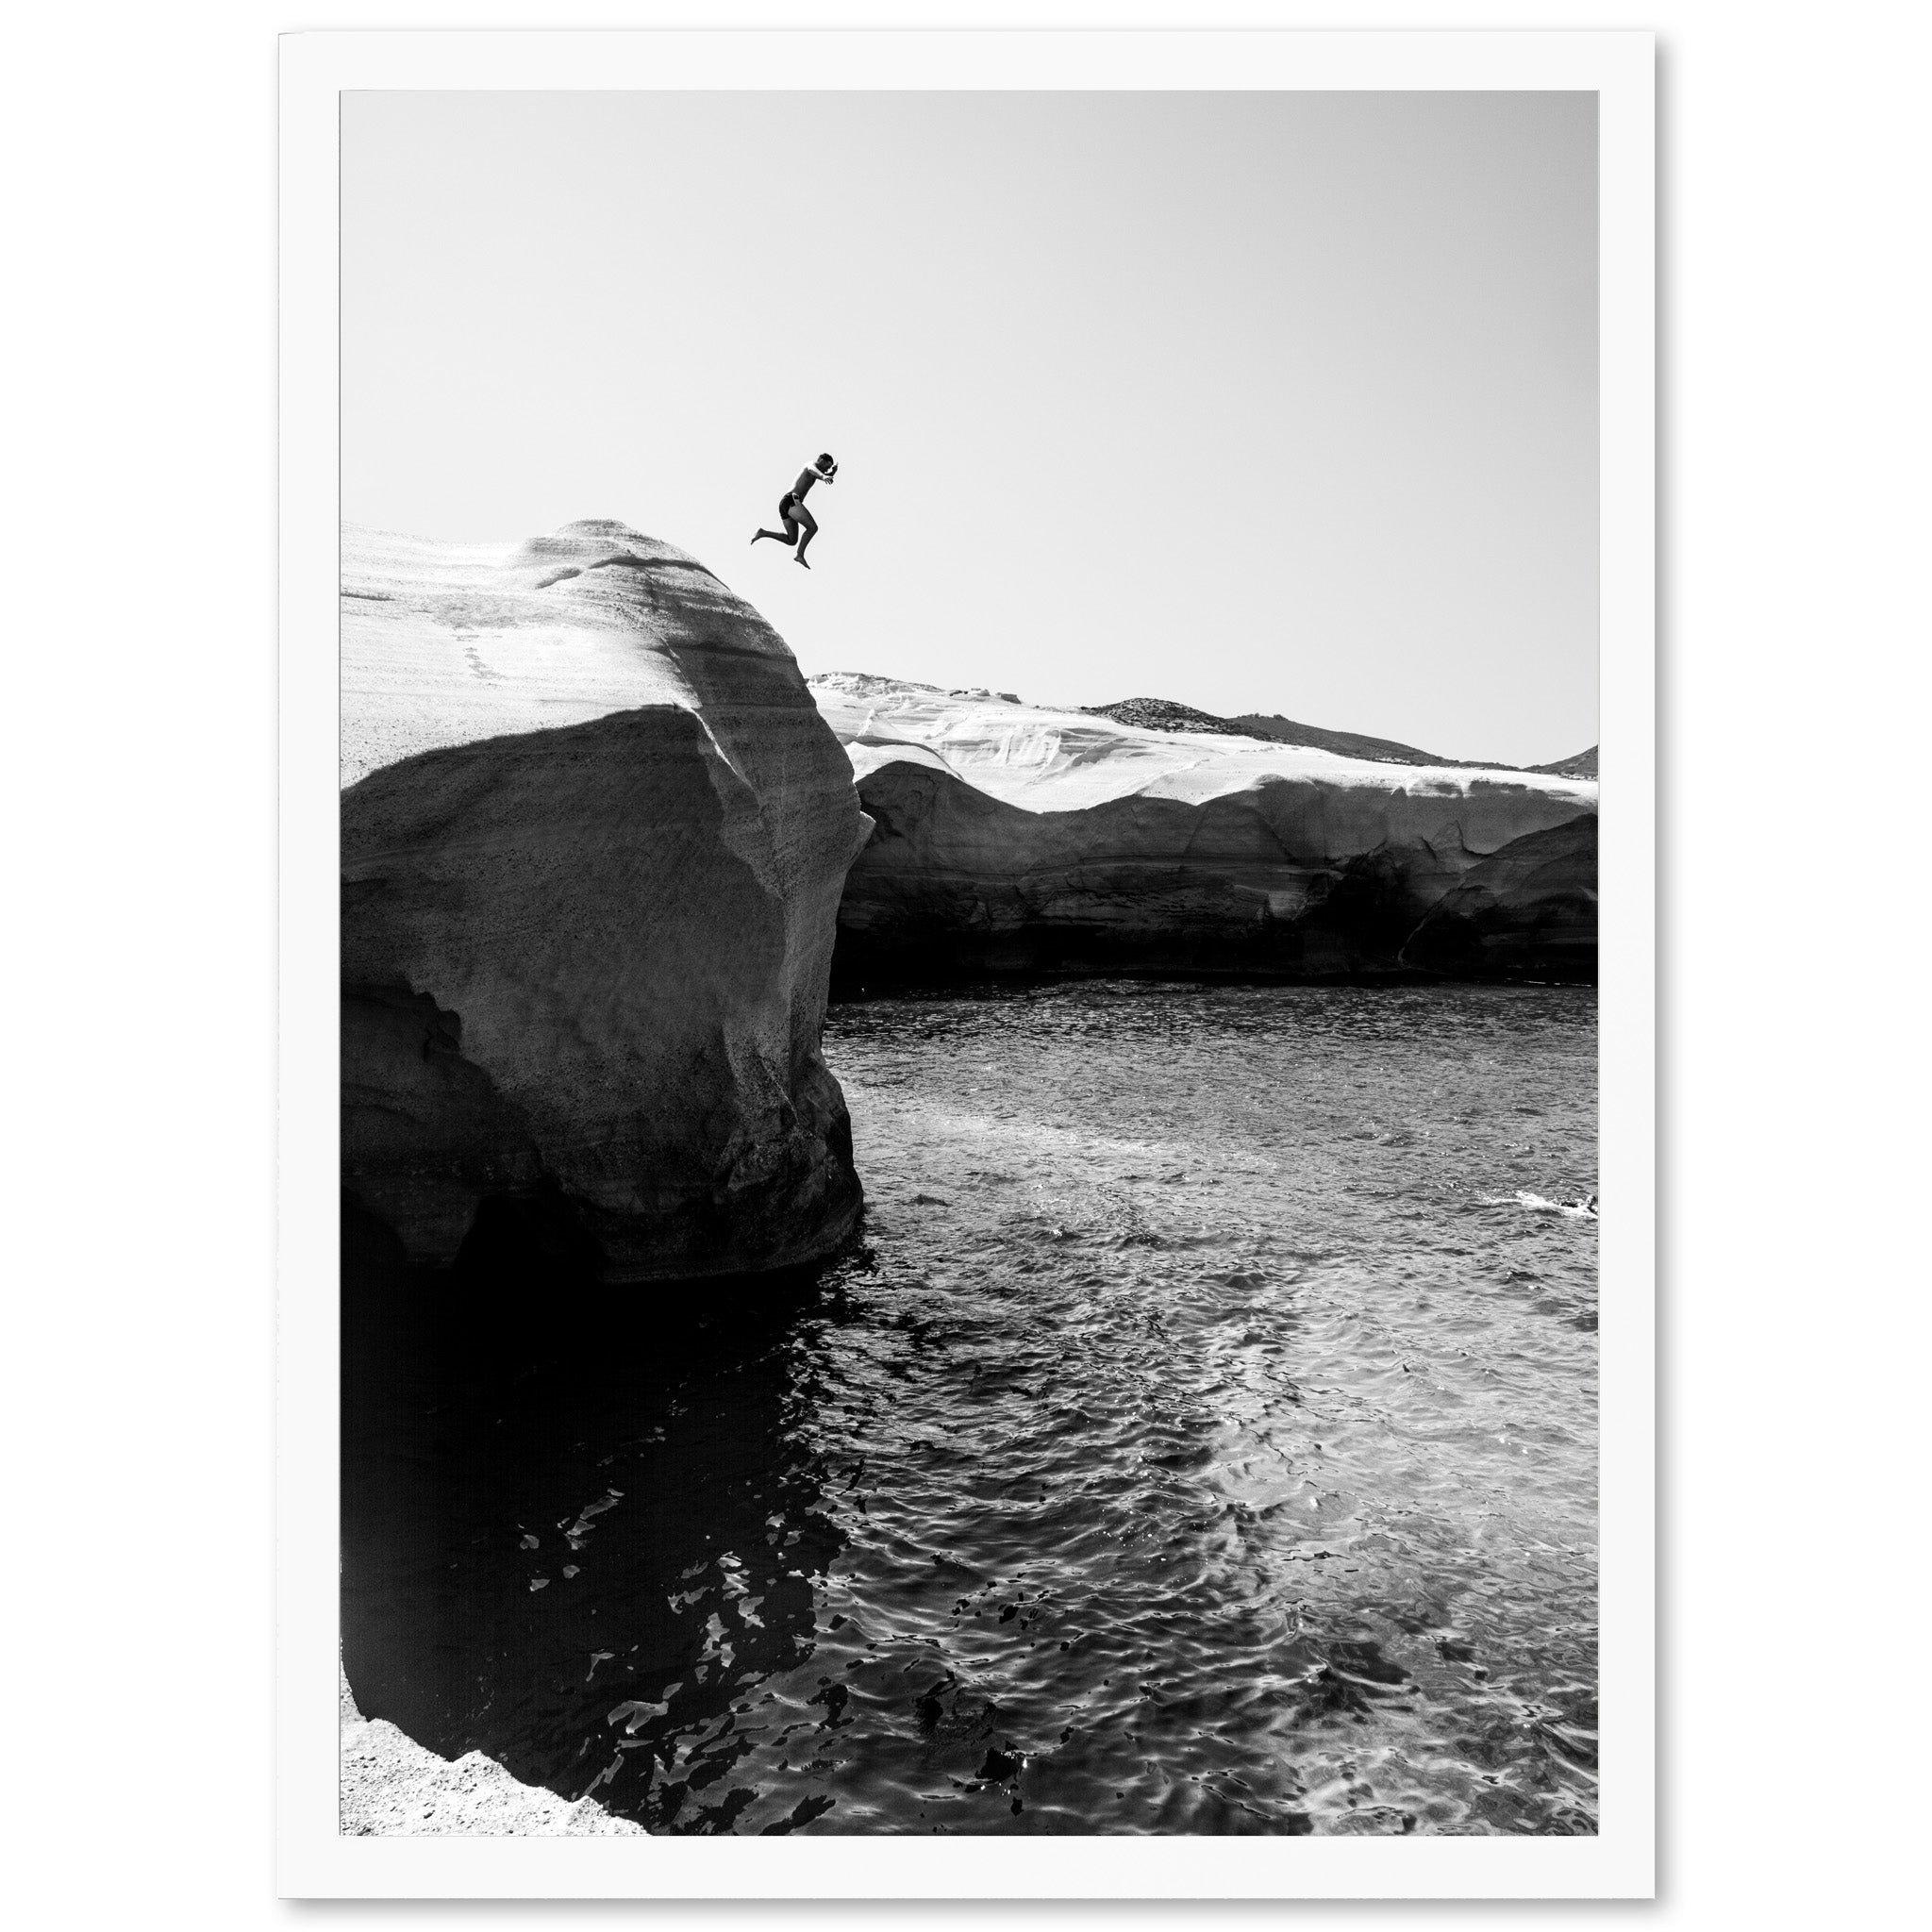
[1259, 402]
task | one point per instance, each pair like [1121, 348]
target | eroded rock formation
[594, 837]
[1013, 837]
[1529, 909]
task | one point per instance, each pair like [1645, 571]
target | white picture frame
[315, 1859]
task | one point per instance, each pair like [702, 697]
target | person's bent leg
[788, 508]
[811, 530]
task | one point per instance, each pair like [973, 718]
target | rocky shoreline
[393, 1787]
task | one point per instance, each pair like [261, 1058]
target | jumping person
[792, 512]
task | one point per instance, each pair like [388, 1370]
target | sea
[1199, 1435]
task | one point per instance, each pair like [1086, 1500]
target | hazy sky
[1279, 402]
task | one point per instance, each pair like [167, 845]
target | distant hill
[1349, 743]
[1582, 766]
[1163, 714]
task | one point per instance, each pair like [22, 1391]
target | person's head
[824, 465]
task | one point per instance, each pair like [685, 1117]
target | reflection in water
[1200, 1438]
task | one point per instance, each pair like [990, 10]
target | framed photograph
[967, 1021]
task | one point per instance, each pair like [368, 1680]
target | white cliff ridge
[1011, 836]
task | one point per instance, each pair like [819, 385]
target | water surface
[1201, 1437]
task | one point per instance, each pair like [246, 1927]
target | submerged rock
[1012, 837]
[594, 836]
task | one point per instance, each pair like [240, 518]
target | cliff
[594, 837]
[1012, 837]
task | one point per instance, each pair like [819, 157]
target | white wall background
[139, 787]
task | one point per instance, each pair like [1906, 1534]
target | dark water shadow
[577, 1521]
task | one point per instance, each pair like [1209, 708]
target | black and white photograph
[969, 962]
[969, 1057]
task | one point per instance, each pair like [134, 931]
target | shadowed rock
[1529, 907]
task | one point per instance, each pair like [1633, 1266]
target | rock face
[1015, 838]
[594, 836]
[1530, 907]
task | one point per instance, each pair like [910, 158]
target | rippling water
[1202, 1438]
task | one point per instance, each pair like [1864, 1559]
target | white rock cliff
[594, 838]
